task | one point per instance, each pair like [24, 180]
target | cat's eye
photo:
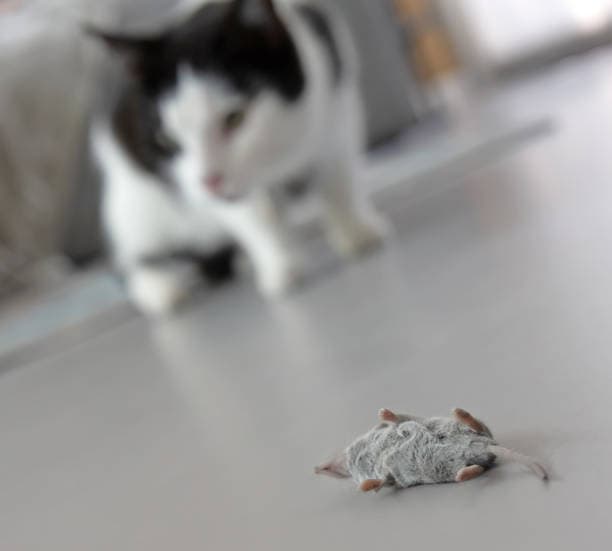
[234, 119]
[165, 143]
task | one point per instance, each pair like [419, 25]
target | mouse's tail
[510, 455]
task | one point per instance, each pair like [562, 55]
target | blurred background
[433, 64]
[489, 129]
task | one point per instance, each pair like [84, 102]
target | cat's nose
[214, 182]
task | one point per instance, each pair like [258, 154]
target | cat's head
[219, 90]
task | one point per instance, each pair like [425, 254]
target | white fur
[323, 130]
[156, 291]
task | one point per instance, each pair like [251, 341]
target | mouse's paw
[372, 485]
[469, 473]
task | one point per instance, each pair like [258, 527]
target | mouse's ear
[135, 50]
[467, 419]
[335, 468]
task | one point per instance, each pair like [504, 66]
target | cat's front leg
[353, 226]
[257, 226]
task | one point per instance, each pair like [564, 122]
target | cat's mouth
[216, 184]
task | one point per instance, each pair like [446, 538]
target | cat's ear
[256, 9]
[258, 13]
[136, 51]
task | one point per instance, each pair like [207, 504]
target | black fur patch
[216, 267]
[321, 27]
[135, 123]
[243, 42]
[219, 267]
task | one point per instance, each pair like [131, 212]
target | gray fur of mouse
[415, 451]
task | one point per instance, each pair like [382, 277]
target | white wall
[500, 31]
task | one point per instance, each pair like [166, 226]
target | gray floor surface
[201, 432]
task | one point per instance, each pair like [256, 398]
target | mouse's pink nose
[214, 182]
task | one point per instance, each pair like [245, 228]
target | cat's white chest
[147, 217]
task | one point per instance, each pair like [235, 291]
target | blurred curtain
[46, 78]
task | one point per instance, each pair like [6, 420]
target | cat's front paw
[362, 235]
[278, 281]
[157, 294]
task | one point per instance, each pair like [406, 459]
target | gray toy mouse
[405, 451]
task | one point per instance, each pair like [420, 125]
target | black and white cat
[237, 98]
